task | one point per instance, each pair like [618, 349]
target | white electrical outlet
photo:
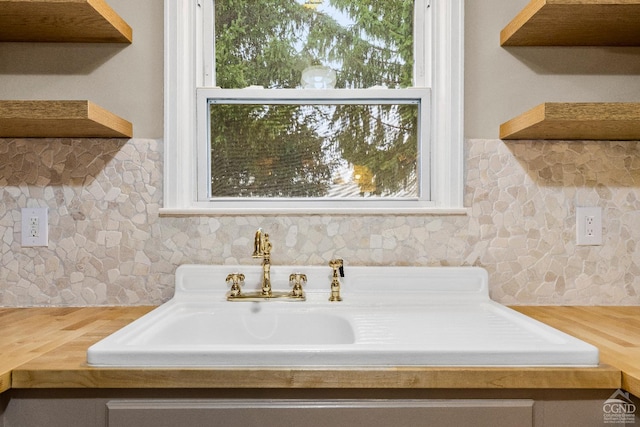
[588, 226]
[35, 227]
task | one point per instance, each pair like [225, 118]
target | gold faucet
[338, 271]
[262, 249]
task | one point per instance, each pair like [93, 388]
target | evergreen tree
[269, 43]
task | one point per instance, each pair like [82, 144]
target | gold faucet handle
[237, 280]
[297, 280]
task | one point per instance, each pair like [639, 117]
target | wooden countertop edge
[631, 383]
[602, 377]
[5, 381]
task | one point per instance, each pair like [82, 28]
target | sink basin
[253, 324]
[389, 316]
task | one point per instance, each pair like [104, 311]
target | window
[322, 111]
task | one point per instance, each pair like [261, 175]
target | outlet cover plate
[588, 226]
[35, 227]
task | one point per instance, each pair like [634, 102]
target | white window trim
[183, 75]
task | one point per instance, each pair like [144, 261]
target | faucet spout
[262, 249]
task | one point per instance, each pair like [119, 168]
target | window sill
[398, 211]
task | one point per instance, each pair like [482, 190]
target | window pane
[314, 150]
[271, 43]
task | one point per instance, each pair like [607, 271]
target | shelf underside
[575, 23]
[90, 21]
[60, 119]
[618, 121]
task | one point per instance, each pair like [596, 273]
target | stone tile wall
[109, 246]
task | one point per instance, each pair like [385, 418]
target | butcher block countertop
[614, 330]
[46, 348]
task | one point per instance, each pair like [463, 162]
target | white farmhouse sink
[389, 316]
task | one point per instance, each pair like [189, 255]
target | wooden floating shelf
[618, 121]
[60, 119]
[89, 21]
[575, 23]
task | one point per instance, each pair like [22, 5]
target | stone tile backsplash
[109, 246]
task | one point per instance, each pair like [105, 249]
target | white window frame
[292, 96]
[439, 67]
